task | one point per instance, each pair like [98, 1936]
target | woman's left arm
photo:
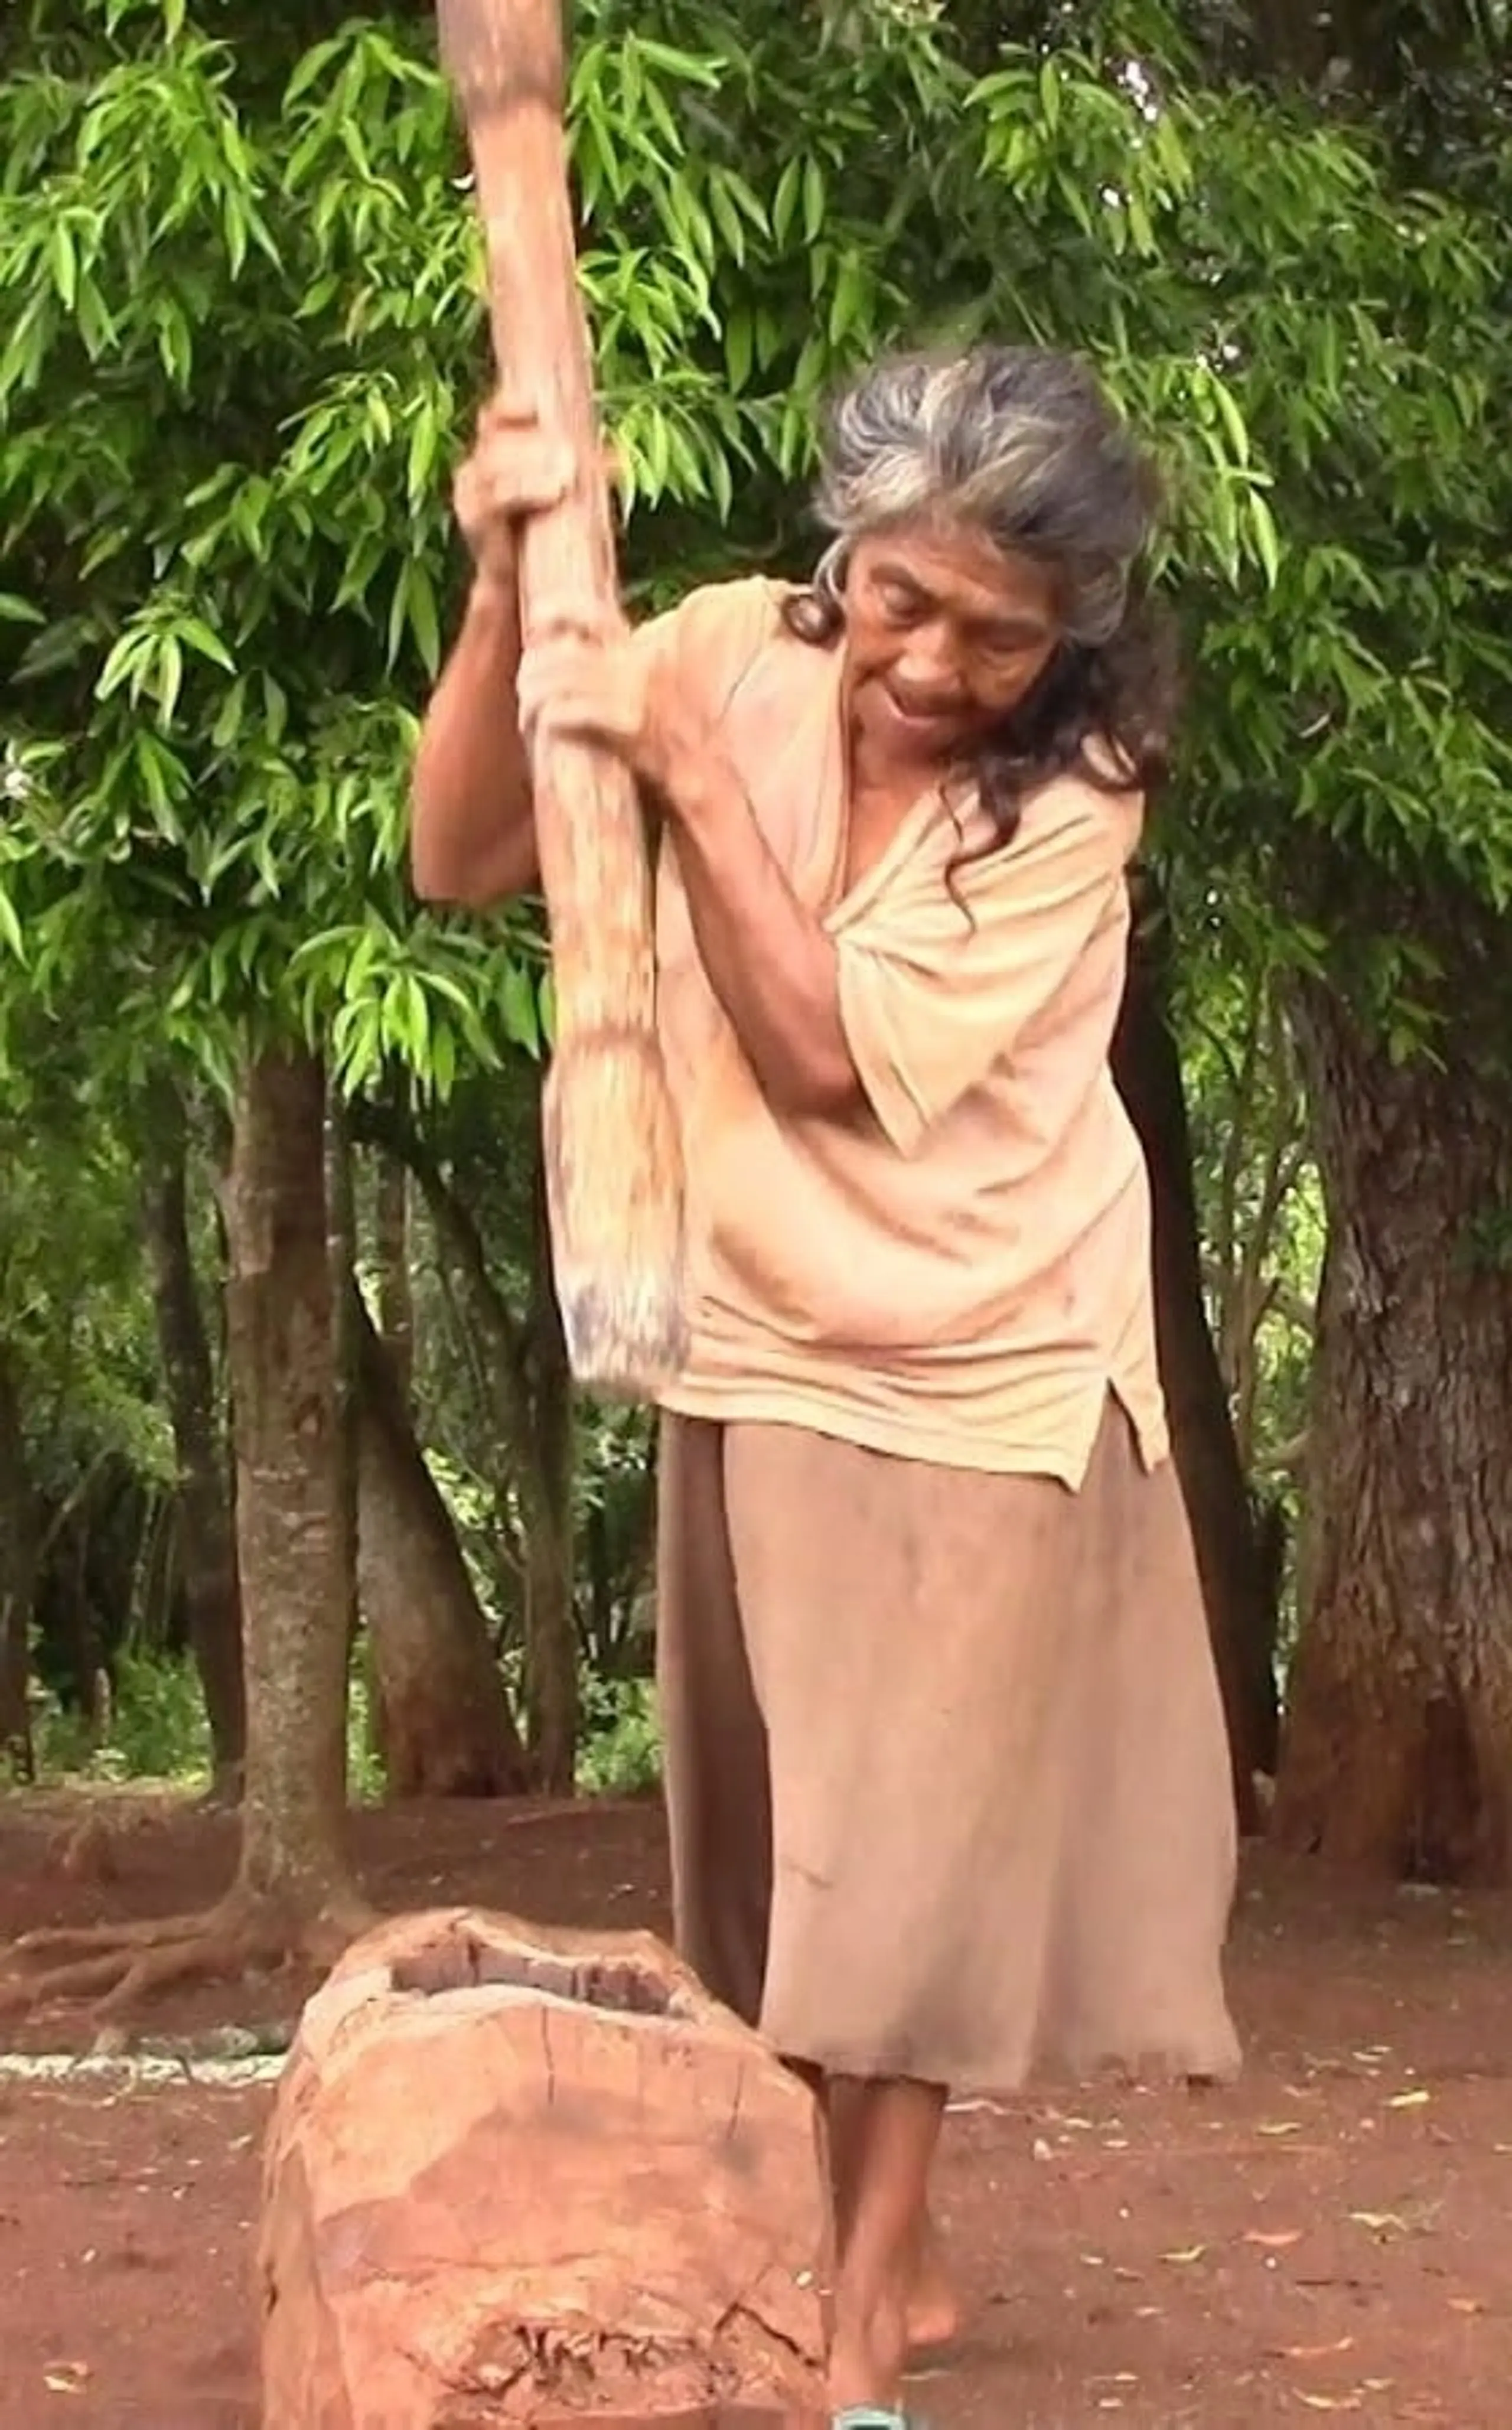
[773, 966]
[769, 962]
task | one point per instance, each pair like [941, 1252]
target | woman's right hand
[513, 470]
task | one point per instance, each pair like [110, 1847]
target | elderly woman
[945, 1760]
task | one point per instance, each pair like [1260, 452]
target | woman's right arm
[471, 834]
[472, 829]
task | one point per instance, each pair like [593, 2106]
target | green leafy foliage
[621, 1754]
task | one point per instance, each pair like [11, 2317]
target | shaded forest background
[295, 1498]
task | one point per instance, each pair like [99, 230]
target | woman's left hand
[605, 692]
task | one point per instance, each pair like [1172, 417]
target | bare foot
[865, 2360]
[933, 2314]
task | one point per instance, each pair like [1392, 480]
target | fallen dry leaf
[1193, 2253]
[1273, 2239]
[1317, 2353]
[66, 2378]
[1417, 2100]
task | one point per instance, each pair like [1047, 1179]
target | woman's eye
[899, 607]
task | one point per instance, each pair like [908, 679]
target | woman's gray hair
[1022, 444]
[1026, 447]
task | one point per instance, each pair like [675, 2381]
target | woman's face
[944, 636]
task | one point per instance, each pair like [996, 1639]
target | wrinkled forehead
[957, 567]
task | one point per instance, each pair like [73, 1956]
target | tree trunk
[18, 1576]
[545, 1489]
[448, 1731]
[207, 1541]
[529, 1385]
[291, 1529]
[1398, 1748]
[1240, 1616]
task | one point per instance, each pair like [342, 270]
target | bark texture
[1236, 1580]
[448, 1731]
[206, 1535]
[1397, 1753]
[520, 1361]
[292, 1522]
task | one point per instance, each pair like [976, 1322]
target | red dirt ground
[1333, 2236]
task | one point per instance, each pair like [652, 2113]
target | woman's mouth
[925, 717]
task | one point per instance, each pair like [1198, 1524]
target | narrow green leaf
[170, 676]
[423, 436]
[785, 202]
[1267, 539]
[727, 220]
[442, 1073]
[520, 1016]
[814, 198]
[1233, 421]
[228, 719]
[205, 644]
[120, 663]
[10, 928]
[683, 64]
[424, 617]
[63, 262]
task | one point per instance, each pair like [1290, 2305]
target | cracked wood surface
[522, 2175]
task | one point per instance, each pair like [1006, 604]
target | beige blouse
[960, 1270]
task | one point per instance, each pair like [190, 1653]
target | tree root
[119, 1965]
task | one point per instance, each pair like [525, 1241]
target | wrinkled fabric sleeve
[935, 988]
[709, 639]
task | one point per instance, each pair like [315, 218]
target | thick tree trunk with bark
[207, 1541]
[522, 1362]
[448, 1731]
[1398, 1752]
[294, 1894]
[18, 1575]
[292, 1523]
[1240, 1613]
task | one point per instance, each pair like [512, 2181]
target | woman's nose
[931, 661]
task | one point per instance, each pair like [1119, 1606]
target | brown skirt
[945, 1760]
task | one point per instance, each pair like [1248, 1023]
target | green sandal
[873, 2416]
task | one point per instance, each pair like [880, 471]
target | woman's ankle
[868, 2348]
